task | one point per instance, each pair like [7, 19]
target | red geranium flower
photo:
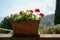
[31, 11]
[11, 15]
[21, 13]
[37, 10]
[41, 14]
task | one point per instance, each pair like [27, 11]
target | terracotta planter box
[28, 27]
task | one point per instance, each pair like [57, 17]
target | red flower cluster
[21, 13]
[31, 11]
[37, 10]
[41, 14]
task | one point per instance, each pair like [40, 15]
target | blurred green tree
[57, 13]
[6, 23]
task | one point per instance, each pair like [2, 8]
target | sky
[8, 7]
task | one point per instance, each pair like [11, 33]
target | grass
[5, 31]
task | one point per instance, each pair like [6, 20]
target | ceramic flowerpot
[27, 27]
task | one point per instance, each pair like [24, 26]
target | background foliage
[51, 30]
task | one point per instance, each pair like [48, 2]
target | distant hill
[47, 20]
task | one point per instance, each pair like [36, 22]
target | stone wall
[28, 38]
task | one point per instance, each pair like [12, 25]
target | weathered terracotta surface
[28, 27]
